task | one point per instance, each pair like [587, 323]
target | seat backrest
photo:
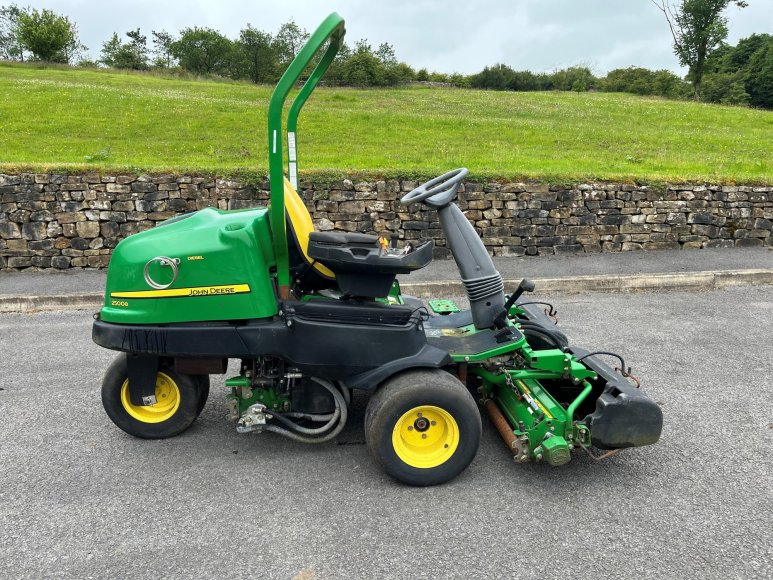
[299, 226]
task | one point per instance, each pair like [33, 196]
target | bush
[398, 73]
[497, 77]
[460, 80]
[501, 77]
[667, 84]
[573, 79]
[204, 51]
[642, 81]
[362, 69]
[528, 81]
[723, 88]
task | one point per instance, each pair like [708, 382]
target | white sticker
[294, 174]
[291, 145]
[274, 148]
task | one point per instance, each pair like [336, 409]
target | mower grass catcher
[313, 315]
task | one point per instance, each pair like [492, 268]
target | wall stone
[74, 221]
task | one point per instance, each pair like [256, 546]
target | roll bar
[332, 29]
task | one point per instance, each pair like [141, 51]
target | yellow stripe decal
[185, 292]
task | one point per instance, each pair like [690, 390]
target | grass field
[74, 119]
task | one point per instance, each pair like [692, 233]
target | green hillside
[55, 118]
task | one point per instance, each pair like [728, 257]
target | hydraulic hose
[341, 407]
[556, 337]
[317, 418]
[539, 333]
[304, 430]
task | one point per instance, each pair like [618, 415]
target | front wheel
[423, 427]
[178, 398]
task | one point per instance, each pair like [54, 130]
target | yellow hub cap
[425, 437]
[167, 397]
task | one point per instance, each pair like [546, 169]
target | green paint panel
[555, 450]
[485, 355]
[224, 257]
[443, 306]
[268, 397]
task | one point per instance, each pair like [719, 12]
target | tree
[137, 47]
[10, 49]
[362, 46]
[203, 51]
[697, 28]
[289, 40]
[759, 76]
[748, 65]
[131, 55]
[110, 50]
[162, 48]
[47, 35]
[386, 54]
[258, 55]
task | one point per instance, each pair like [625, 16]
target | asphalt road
[79, 498]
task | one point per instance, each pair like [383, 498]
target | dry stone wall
[74, 221]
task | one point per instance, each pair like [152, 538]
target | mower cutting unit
[314, 315]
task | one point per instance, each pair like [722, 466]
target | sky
[445, 36]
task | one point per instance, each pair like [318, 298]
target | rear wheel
[423, 427]
[178, 398]
[203, 383]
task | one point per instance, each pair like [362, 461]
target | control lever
[526, 285]
[500, 321]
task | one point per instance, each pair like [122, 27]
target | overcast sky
[446, 36]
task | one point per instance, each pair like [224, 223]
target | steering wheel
[437, 192]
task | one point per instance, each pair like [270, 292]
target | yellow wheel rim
[167, 397]
[425, 437]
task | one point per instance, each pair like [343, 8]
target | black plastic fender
[625, 416]
[360, 355]
[142, 370]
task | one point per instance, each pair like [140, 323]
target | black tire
[540, 338]
[169, 419]
[203, 383]
[389, 420]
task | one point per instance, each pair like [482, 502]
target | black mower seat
[345, 238]
[353, 263]
[362, 268]
[360, 253]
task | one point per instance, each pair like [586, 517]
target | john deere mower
[312, 316]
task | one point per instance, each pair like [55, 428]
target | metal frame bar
[332, 29]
